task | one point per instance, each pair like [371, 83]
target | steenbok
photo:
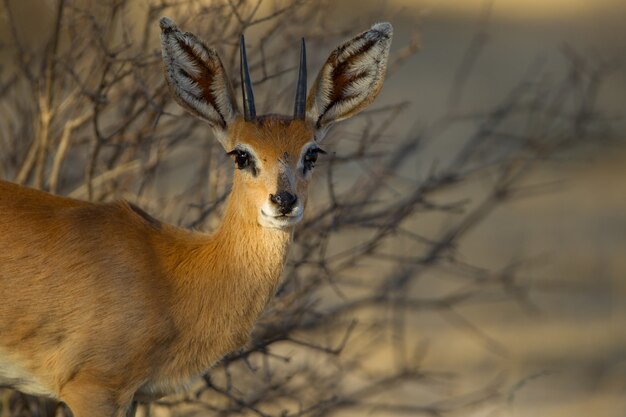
[102, 305]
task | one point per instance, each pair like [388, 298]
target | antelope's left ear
[351, 78]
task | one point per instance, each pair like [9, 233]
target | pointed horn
[249, 111]
[299, 107]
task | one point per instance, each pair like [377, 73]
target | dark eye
[310, 157]
[242, 158]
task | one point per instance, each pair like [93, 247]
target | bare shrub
[87, 114]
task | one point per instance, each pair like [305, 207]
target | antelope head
[274, 155]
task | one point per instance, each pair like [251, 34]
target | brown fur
[103, 299]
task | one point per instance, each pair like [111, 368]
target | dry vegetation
[88, 115]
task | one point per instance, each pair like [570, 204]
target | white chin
[279, 222]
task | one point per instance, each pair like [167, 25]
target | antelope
[102, 305]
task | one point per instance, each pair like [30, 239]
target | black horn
[249, 111]
[299, 107]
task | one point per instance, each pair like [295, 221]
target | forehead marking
[284, 181]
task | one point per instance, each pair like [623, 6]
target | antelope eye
[242, 158]
[310, 157]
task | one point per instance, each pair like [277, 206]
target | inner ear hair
[351, 78]
[196, 77]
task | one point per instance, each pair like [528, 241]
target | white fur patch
[268, 217]
[13, 374]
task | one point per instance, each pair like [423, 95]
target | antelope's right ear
[197, 78]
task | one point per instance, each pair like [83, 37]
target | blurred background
[464, 249]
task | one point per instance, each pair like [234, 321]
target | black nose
[284, 200]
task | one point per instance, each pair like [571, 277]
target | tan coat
[101, 304]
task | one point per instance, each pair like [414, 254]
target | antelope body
[102, 305]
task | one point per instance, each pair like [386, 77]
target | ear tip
[383, 28]
[167, 24]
